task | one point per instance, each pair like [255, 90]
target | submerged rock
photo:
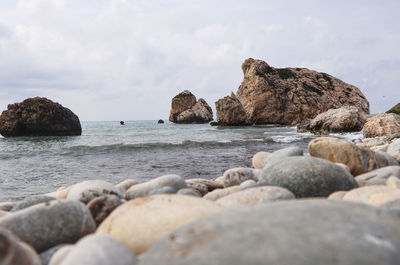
[38, 117]
[290, 232]
[381, 124]
[292, 95]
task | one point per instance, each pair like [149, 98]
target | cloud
[116, 59]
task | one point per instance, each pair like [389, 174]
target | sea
[140, 150]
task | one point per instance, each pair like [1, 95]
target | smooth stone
[7, 206]
[257, 195]
[60, 193]
[126, 184]
[60, 255]
[378, 176]
[163, 190]
[394, 149]
[359, 159]
[248, 184]
[88, 190]
[235, 176]
[376, 141]
[141, 222]
[220, 180]
[393, 206]
[382, 148]
[384, 157]
[15, 252]
[189, 192]
[259, 159]
[393, 182]
[45, 256]
[4, 213]
[101, 207]
[344, 167]
[49, 224]
[211, 184]
[201, 188]
[219, 193]
[373, 194]
[280, 154]
[143, 189]
[308, 176]
[30, 201]
[296, 232]
[99, 250]
[337, 195]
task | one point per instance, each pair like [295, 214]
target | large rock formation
[38, 117]
[185, 109]
[344, 119]
[230, 111]
[291, 95]
[381, 124]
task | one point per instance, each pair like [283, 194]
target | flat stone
[235, 176]
[126, 184]
[88, 190]
[100, 250]
[101, 207]
[219, 193]
[141, 222]
[297, 232]
[259, 160]
[257, 195]
[394, 182]
[373, 194]
[337, 195]
[49, 224]
[394, 149]
[29, 201]
[211, 184]
[280, 154]
[15, 252]
[308, 176]
[143, 189]
[378, 176]
[359, 159]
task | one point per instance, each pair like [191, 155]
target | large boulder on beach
[38, 117]
[291, 233]
[307, 176]
[141, 222]
[359, 159]
[381, 124]
[291, 95]
[231, 112]
[15, 252]
[185, 109]
[99, 250]
[344, 119]
[49, 224]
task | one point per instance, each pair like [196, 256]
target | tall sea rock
[292, 95]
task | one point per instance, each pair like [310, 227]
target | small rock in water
[102, 206]
[259, 160]
[257, 195]
[378, 176]
[30, 201]
[300, 232]
[307, 176]
[88, 190]
[143, 189]
[280, 154]
[49, 224]
[99, 250]
[15, 252]
[141, 222]
[160, 121]
[126, 184]
[235, 176]
[373, 194]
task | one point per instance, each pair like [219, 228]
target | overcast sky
[126, 59]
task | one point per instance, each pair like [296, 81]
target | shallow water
[139, 149]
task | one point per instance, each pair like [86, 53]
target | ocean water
[140, 149]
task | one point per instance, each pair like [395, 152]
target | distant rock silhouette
[185, 109]
[38, 117]
[122, 122]
[160, 121]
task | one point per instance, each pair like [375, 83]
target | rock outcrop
[185, 109]
[38, 117]
[292, 95]
[381, 124]
[231, 112]
[344, 119]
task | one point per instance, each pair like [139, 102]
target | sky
[126, 59]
